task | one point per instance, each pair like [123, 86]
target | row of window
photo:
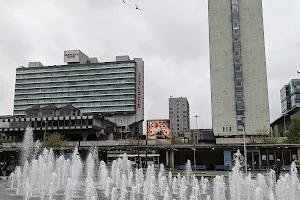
[77, 83]
[226, 129]
[81, 104]
[55, 101]
[120, 89]
[71, 67]
[237, 65]
[87, 110]
[76, 78]
[74, 73]
[28, 98]
[109, 109]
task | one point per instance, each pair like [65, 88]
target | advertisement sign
[227, 160]
[158, 129]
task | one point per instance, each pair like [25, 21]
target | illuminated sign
[158, 129]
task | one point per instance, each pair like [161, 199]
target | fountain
[46, 176]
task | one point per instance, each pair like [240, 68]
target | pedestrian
[278, 166]
[8, 171]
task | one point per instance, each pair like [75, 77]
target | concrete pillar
[84, 136]
[167, 157]
[172, 166]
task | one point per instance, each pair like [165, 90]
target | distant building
[196, 136]
[112, 89]
[290, 95]
[238, 74]
[290, 106]
[179, 114]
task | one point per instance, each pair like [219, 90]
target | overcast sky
[170, 35]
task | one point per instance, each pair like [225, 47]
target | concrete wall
[221, 67]
[256, 102]
[254, 66]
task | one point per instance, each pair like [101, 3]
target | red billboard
[158, 129]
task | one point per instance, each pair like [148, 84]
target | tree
[293, 133]
[54, 140]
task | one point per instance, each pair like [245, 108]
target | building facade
[290, 106]
[179, 114]
[239, 91]
[113, 89]
[290, 95]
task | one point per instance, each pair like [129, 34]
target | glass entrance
[253, 160]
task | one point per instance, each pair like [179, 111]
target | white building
[114, 89]
[238, 67]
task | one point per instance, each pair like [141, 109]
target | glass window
[236, 44]
[238, 83]
[239, 98]
[237, 67]
[240, 105]
[238, 75]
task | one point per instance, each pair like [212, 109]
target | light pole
[284, 122]
[194, 149]
[196, 116]
[245, 149]
[45, 131]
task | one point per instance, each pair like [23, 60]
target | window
[240, 106]
[238, 75]
[239, 98]
[226, 129]
[238, 83]
[230, 128]
[223, 129]
[239, 91]
[237, 45]
[237, 52]
[237, 67]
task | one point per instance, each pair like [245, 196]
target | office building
[112, 89]
[179, 114]
[290, 95]
[290, 106]
[239, 91]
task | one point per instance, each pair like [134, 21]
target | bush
[54, 140]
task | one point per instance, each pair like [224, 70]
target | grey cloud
[171, 36]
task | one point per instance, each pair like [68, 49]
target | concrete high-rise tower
[239, 91]
[179, 114]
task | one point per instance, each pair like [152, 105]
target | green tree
[293, 133]
[54, 140]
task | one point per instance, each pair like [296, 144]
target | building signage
[71, 55]
[139, 91]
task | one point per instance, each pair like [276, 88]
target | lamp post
[284, 122]
[121, 129]
[45, 131]
[245, 149]
[194, 149]
[196, 116]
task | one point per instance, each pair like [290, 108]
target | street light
[45, 131]
[194, 149]
[196, 116]
[121, 129]
[245, 149]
